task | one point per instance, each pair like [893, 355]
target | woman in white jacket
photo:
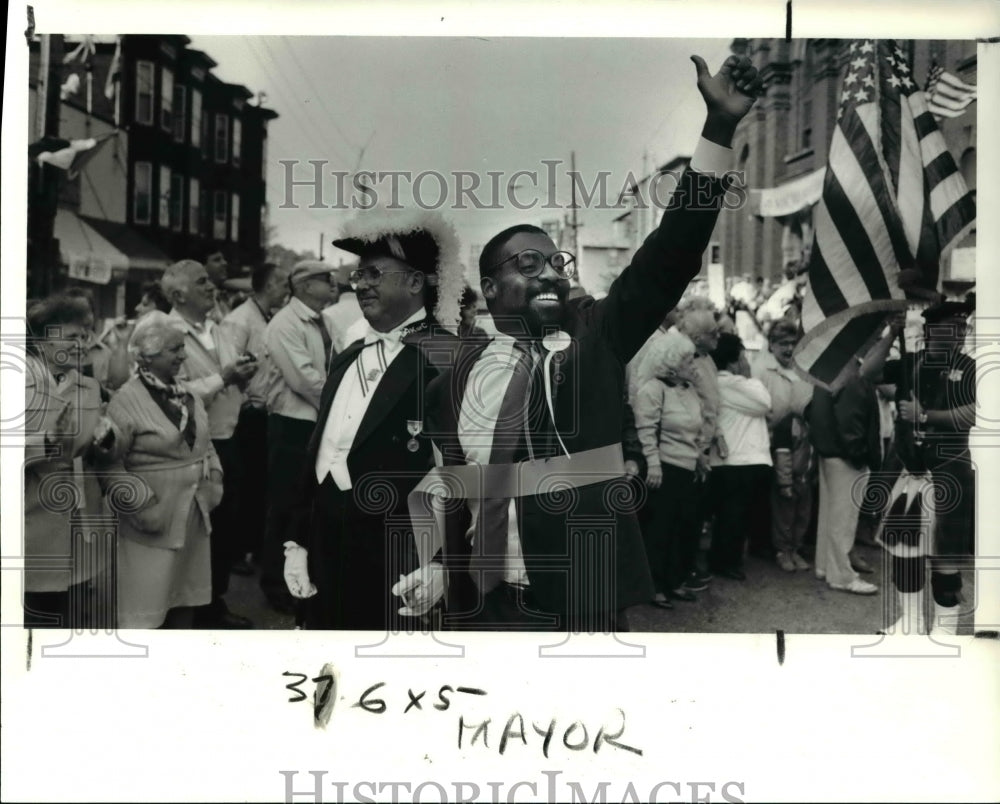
[743, 473]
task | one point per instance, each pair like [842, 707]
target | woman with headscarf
[162, 444]
[668, 418]
[64, 562]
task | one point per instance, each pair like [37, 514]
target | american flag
[947, 95]
[893, 204]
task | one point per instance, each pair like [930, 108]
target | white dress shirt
[351, 400]
[480, 410]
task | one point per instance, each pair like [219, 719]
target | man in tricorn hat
[529, 423]
[348, 542]
[930, 516]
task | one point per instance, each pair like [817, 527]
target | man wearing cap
[299, 350]
[530, 422]
[213, 369]
[931, 509]
[350, 540]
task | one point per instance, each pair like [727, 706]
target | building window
[204, 211]
[234, 228]
[194, 210]
[263, 225]
[164, 216]
[206, 135]
[196, 117]
[219, 217]
[237, 140]
[167, 99]
[180, 112]
[144, 92]
[805, 141]
[221, 138]
[176, 201]
[142, 192]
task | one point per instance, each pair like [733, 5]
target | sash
[427, 502]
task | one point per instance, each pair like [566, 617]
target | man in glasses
[349, 541]
[553, 544]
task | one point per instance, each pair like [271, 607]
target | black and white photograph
[599, 407]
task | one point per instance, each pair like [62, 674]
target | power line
[306, 108]
[306, 125]
[318, 94]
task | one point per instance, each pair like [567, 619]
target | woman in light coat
[162, 446]
[64, 560]
[668, 419]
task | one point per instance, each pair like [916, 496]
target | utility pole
[321, 246]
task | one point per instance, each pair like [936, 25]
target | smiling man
[530, 422]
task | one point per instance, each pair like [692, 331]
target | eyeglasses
[371, 275]
[531, 263]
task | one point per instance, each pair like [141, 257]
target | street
[769, 600]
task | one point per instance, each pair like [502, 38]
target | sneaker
[820, 575]
[856, 587]
[799, 562]
[785, 562]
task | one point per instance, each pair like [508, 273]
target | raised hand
[731, 91]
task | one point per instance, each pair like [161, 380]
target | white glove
[297, 571]
[420, 590]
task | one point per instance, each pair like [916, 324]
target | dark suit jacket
[589, 412]
[846, 424]
[359, 540]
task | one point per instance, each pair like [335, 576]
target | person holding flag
[894, 204]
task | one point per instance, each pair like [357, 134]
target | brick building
[184, 177]
[782, 146]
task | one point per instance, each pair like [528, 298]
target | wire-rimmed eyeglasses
[531, 263]
[371, 275]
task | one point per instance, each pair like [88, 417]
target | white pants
[840, 489]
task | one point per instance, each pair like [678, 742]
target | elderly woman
[64, 571]
[791, 492]
[668, 418]
[161, 442]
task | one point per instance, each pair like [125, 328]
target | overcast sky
[465, 104]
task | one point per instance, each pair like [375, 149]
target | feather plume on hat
[423, 239]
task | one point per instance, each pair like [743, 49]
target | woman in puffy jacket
[668, 418]
[159, 444]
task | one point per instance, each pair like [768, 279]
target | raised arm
[671, 256]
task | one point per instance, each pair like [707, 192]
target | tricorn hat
[421, 238]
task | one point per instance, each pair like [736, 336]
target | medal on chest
[414, 427]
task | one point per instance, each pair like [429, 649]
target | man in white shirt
[350, 538]
[299, 349]
[215, 371]
[246, 325]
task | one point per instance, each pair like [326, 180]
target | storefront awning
[140, 253]
[90, 256]
[788, 198]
